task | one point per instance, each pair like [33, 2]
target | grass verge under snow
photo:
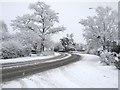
[30, 58]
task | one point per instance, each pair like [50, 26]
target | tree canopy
[101, 28]
[41, 22]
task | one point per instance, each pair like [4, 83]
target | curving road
[13, 71]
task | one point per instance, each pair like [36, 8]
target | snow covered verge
[86, 73]
[30, 58]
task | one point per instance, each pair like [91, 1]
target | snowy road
[86, 73]
[12, 71]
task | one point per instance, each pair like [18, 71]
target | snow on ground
[86, 73]
[22, 59]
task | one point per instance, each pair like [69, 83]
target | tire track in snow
[46, 80]
[23, 84]
[74, 76]
[71, 77]
[36, 82]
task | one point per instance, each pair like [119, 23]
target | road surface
[13, 71]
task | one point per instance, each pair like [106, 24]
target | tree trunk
[104, 39]
[103, 47]
[42, 47]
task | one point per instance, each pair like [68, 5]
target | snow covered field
[34, 57]
[86, 73]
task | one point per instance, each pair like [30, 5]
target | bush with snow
[117, 64]
[58, 46]
[116, 49]
[13, 49]
[117, 61]
[107, 58]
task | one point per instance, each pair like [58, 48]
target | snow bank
[86, 73]
[22, 59]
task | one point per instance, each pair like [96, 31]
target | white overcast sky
[70, 13]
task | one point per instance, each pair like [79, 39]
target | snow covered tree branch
[41, 21]
[101, 28]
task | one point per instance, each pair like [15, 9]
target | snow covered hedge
[13, 49]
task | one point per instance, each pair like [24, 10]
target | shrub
[116, 49]
[107, 57]
[56, 49]
[13, 49]
[117, 64]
